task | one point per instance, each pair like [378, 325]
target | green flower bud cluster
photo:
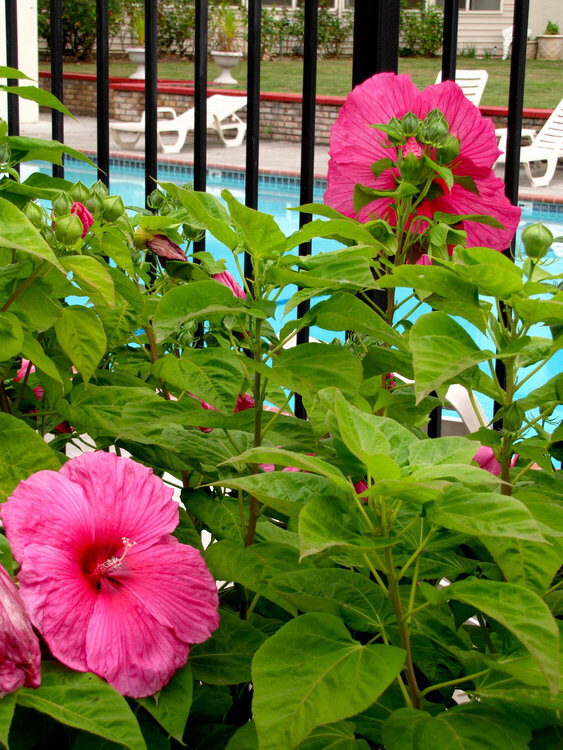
[68, 229]
[537, 239]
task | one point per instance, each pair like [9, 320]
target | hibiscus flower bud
[410, 124]
[84, 215]
[5, 153]
[20, 665]
[94, 203]
[537, 240]
[68, 229]
[62, 204]
[512, 417]
[412, 169]
[434, 128]
[79, 192]
[156, 199]
[448, 150]
[34, 214]
[99, 188]
[113, 207]
[164, 247]
[229, 281]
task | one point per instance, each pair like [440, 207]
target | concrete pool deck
[274, 156]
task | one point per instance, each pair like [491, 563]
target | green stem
[13, 297]
[450, 683]
[253, 512]
[486, 636]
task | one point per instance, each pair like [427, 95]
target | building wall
[27, 55]
[482, 31]
[542, 11]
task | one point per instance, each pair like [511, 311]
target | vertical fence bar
[376, 38]
[57, 80]
[151, 96]
[307, 182]
[200, 102]
[102, 86]
[514, 136]
[449, 46]
[12, 62]
[252, 111]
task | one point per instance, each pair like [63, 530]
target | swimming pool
[278, 194]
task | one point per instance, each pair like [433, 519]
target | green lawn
[542, 89]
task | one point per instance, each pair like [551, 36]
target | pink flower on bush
[28, 367]
[20, 656]
[164, 247]
[102, 578]
[229, 281]
[84, 215]
[485, 457]
[355, 146]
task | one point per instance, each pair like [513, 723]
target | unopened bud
[410, 124]
[99, 188]
[512, 417]
[155, 199]
[113, 207]
[537, 240]
[448, 150]
[68, 229]
[434, 128]
[62, 204]
[94, 203]
[79, 192]
[34, 214]
[412, 168]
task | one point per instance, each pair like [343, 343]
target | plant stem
[4, 399]
[258, 401]
[450, 683]
[13, 297]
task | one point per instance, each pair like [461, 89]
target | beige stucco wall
[542, 11]
[483, 30]
[27, 54]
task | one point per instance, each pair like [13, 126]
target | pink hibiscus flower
[84, 215]
[102, 578]
[28, 367]
[20, 662]
[355, 146]
[485, 457]
[229, 281]
[164, 247]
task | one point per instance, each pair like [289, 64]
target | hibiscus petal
[59, 601]
[172, 583]
[42, 509]
[127, 647]
[126, 499]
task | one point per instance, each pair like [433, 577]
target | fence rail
[375, 49]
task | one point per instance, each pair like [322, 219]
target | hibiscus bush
[335, 581]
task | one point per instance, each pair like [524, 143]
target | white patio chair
[471, 82]
[221, 118]
[507, 40]
[546, 146]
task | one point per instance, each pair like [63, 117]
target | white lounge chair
[546, 146]
[471, 82]
[507, 40]
[221, 118]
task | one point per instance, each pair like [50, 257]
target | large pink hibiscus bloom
[102, 579]
[355, 146]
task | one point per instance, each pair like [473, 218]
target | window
[475, 5]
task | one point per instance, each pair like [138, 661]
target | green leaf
[86, 702]
[527, 563]
[7, 706]
[225, 658]
[245, 738]
[32, 350]
[484, 513]
[338, 736]
[213, 375]
[82, 338]
[18, 232]
[467, 727]
[8, 72]
[11, 336]
[442, 350]
[26, 149]
[353, 597]
[44, 98]
[311, 672]
[22, 452]
[171, 705]
[447, 450]
[522, 612]
[327, 524]
[200, 299]
[90, 274]
[259, 232]
[493, 273]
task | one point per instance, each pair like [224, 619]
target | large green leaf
[259, 232]
[244, 738]
[467, 727]
[442, 350]
[32, 350]
[344, 593]
[18, 232]
[344, 312]
[213, 375]
[527, 563]
[225, 658]
[25, 149]
[86, 702]
[22, 452]
[82, 338]
[484, 513]
[11, 336]
[171, 705]
[312, 672]
[200, 299]
[207, 210]
[520, 611]
[44, 98]
[90, 274]
[7, 705]
[493, 273]
[338, 736]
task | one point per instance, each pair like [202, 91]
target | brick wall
[280, 114]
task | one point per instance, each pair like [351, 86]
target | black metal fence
[375, 49]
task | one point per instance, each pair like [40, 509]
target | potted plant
[550, 43]
[226, 57]
[531, 48]
[137, 54]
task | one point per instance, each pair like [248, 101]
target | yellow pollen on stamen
[114, 563]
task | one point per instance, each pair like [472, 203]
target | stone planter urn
[226, 61]
[531, 49]
[550, 47]
[137, 56]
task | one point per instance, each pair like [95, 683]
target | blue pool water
[277, 195]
